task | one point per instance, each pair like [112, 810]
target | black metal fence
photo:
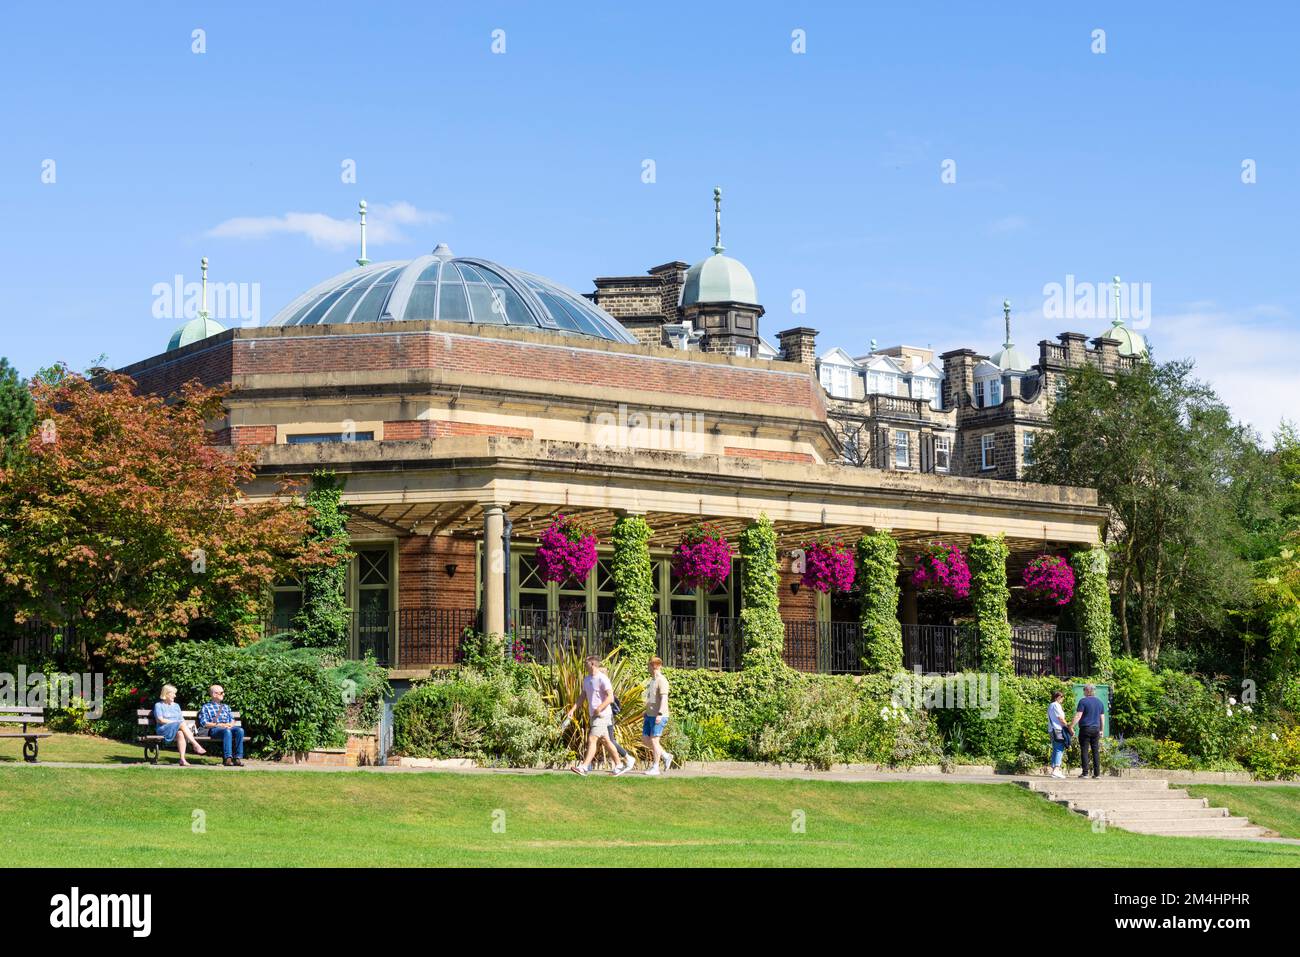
[713, 642]
[33, 640]
[401, 637]
[1040, 652]
[829, 647]
[543, 633]
[941, 649]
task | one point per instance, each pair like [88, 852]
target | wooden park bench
[21, 714]
[152, 742]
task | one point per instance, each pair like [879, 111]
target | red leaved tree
[122, 520]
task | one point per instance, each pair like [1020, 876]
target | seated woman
[167, 718]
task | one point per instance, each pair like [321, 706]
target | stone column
[494, 577]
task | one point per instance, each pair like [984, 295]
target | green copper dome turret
[1131, 343]
[202, 325]
[718, 278]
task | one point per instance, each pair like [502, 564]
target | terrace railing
[34, 640]
[400, 637]
[941, 649]
[1040, 651]
[688, 641]
[829, 647]
[545, 633]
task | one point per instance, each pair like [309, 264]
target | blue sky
[1068, 162]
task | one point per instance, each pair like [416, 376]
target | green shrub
[987, 558]
[490, 718]
[1091, 606]
[877, 583]
[1135, 696]
[290, 699]
[1273, 752]
[1199, 718]
[634, 612]
[760, 617]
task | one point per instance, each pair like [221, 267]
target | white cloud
[384, 222]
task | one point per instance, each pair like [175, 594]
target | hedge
[1091, 609]
[634, 608]
[290, 699]
[882, 634]
[760, 618]
[323, 620]
[987, 558]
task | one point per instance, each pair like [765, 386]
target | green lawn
[1273, 807]
[85, 748]
[142, 816]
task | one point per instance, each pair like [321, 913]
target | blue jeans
[1058, 749]
[225, 736]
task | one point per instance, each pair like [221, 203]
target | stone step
[1100, 784]
[1191, 808]
[1206, 816]
[1088, 797]
[1192, 829]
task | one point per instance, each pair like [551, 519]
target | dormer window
[836, 380]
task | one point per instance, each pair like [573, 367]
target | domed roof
[1010, 359]
[1130, 343]
[719, 279]
[453, 289]
[200, 327]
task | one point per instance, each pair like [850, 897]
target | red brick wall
[800, 607]
[253, 434]
[522, 360]
[422, 573]
[408, 429]
[209, 364]
[769, 454]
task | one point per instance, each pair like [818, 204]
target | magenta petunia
[828, 566]
[567, 551]
[702, 559]
[1050, 577]
[942, 567]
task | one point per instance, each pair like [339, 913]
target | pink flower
[828, 566]
[567, 551]
[1051, 577]
[702, 559]
[942, 567]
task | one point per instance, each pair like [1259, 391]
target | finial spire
[717, 220]
[363, 261]
[1006, 317]
[203, 267]
[1118, 320]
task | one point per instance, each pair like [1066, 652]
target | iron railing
[1041, 651]
[829, 647]
[541, 634]
[941, 649]
[31, 640]
[712, 642]
[400, 637]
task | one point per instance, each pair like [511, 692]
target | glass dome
[453, 289]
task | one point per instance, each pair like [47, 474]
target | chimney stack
[799, 345]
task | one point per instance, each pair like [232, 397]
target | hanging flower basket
[702, 559]
[828, 566]
[941, 567]
[567, 551]
[1050, 577]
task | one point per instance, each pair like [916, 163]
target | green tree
[634, 593]
[323, 620]
[882, 633]
[17, 412]
[1164, 455]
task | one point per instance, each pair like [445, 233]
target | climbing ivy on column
[987, 558]
[882, 634]
[760, 618]
[323, 620]
[634, 593]
[1092, 606]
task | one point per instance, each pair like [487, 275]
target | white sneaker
[631, 763]
[668, 760]
[1056, 773]
[579, 769]
[620, 769]
[653, 772]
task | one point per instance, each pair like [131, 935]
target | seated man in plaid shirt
[215, 716]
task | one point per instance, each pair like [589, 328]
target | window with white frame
[995, 391]
[979, 393]
[942, 454]
[835, 380]
[987, 445]
[902, 450]
[1029, 448]
[743, 350]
